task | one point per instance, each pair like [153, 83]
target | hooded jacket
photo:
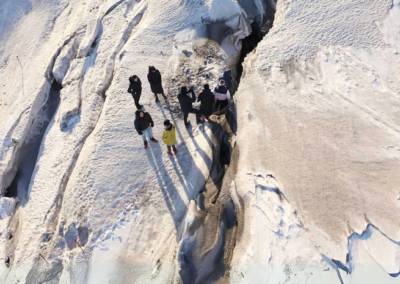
[186, 101]
[227, 77]
[135, 88]
[169, 136]
[142, 123]
[207, 100]
[222, 93]
[155, 81]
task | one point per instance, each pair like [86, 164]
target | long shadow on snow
[181, 179]
[173, 200]
[202, 260]
[185, 161]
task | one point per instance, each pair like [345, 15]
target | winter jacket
[135, 88]
[155, 82]
[207, 100]
[222, 93]
[169, 136]
[142, 123]
[227, 78]
[186, 101]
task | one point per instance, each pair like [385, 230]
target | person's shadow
[173, 200]
[203, 154]
[183, 161]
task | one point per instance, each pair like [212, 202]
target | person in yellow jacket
[169, 137]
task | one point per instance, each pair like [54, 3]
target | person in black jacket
[186, 104]
[207, 99]
[155, 81]
[143, 125]
[135, 88]
[227, 77]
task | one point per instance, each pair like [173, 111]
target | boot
[154, 139]
[169, 153]
[176, 151]
[165, 97]
[145, 144]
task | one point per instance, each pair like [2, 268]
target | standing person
[169, 136]
[143, 125]
[227, 77]
[207, 99]
[186, 104]
[135, 88]
[155, 81]
[222, 95]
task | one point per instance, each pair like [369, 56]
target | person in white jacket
[222, 95]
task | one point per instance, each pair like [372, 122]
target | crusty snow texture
[317, 182]
[318, 110]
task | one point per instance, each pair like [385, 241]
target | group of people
[155, 80]
[144, 124]
[207, 99]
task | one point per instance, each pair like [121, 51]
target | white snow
[316, 178]
[317, 112]
[7, 206]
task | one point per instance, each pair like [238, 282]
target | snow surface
[321, 95]
[313, 179]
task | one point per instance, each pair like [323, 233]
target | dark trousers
[169, 148]
[207, 110]
[136, 99]
[186, 113]
[161, 94]
[220, 105]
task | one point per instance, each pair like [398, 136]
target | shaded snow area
[297, 182]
